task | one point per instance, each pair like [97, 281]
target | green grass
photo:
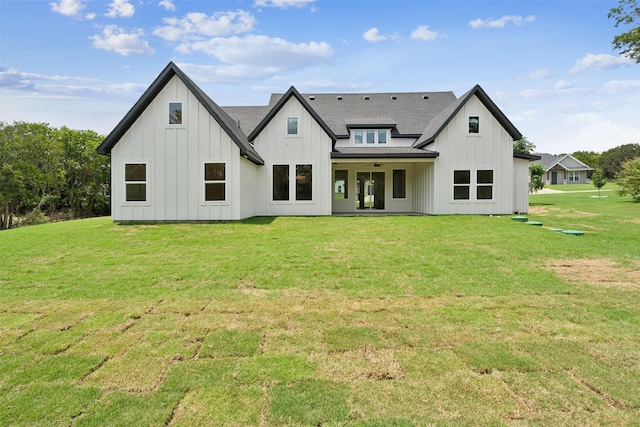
[609, 186]
[359, 321]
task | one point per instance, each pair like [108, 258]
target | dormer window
[175, 113]
[370, 136]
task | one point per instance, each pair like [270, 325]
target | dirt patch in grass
[599, 272]
[558, 212]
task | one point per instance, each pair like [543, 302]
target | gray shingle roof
[410, 112]
[566, 161]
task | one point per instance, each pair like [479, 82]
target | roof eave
[530, 157]
[428, 155]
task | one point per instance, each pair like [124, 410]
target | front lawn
[360, 321]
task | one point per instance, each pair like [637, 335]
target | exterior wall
[311, 146]
[563, 176]
[520, 185]
[175, 157]
[491, 148]
[417, 186]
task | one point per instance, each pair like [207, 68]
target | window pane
[371, 136]
[175, 113]
[136, 192]
[214, 171]
[485, 177]
[485, 192]
[292, 126]
[462, 177]
[214, 191]
[303, 182]
[461, 192]
[358, 136]
[135, 172]
[280, 182]
[399, 184]
[382, 137]
[340, 189]
[474, 124]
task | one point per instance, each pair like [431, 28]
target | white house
[178, 156]
[564, 169]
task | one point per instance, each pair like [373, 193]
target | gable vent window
[474, 124]
[175, 113]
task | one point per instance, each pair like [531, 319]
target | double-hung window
[484, 181]
[574, 176]
[135, 182]
[214, 182]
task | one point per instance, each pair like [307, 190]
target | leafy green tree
[611, 160]
[523, 146]
[87, 174]
[629, 179]
[598, 180]
[536, 172]
[589, 158]
[627, 13]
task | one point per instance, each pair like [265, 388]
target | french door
[370, 190]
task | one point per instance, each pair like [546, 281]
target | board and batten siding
[175, 157]
[520, 185]
[311, 146]
[490, 149]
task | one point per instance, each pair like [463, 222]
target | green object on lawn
[536, 223]
[573, 232]
[519, 218]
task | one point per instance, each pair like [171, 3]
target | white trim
[182, 118]
[204, 182]
[146, 182]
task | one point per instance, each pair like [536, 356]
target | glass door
[370, 190]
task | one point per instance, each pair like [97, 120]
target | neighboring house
[564, 169]
[178, 156]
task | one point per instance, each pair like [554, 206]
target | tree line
[51, 173]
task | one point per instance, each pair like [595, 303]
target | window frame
[182, 113]
[574, 176]
[369, 136]
[144, 182]
[286, 190]
[296, 120]
[399, 183]
[213, 181]
[484, 184]
[462, 185]
[346, 184]
[474, 128]
[301, 187]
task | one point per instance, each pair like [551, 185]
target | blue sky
[548, 64]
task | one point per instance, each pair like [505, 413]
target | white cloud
[167, 4]
[540, 74]
[562, 85]
[424, 33]
[121, 8]
[68, 7]
[117, 40]
[196, 25]
[621, 86]
[283, 4]
[373, 36]
[501, 22]
[600, 62]
[274, 54]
